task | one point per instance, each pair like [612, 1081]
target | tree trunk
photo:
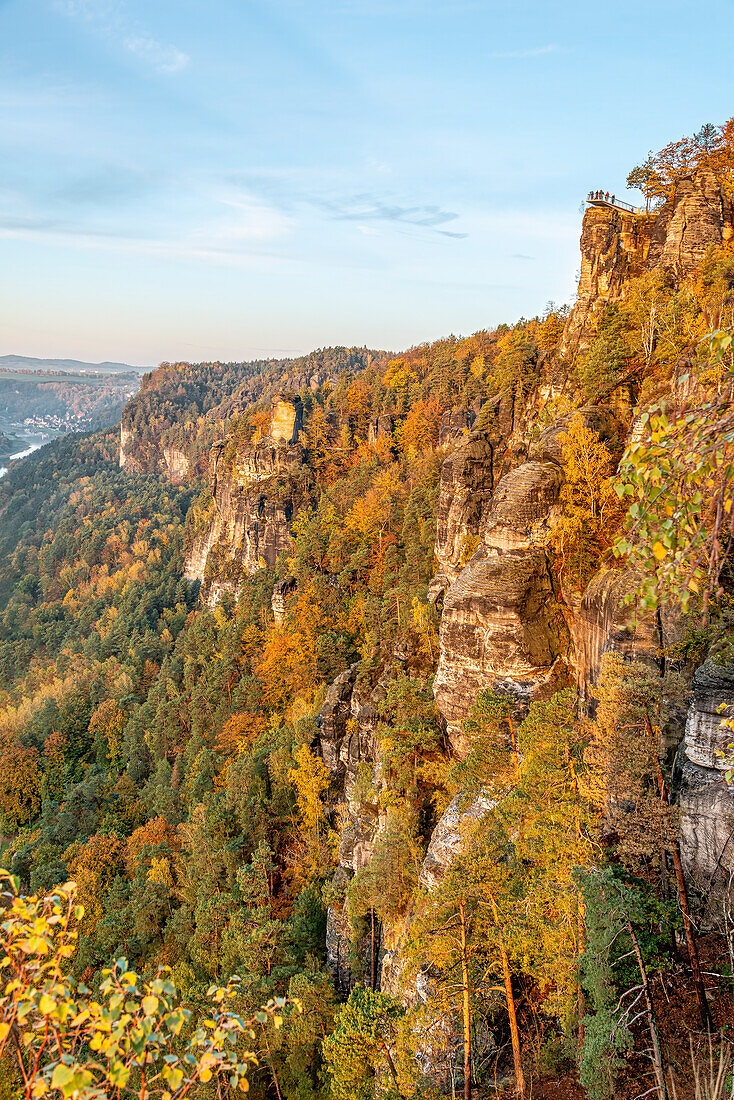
[657, 1057]
[580, 914]
[520, 1089]
[373, 960]
[698, 985]
[465, 1006]
[388, 1058]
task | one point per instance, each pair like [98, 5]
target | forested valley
[379, 706]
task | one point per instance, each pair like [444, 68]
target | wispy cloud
[520, 55]
[293, 189]
[367, 208]
[110, 20]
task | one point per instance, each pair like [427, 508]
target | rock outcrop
[286, 419]
[602, 623]
[125, 435]
[506, 624]
[281, 591]
[616, 246]
[177, 464]
[454, 424]
[706, 802]
[347, 724]
[501, 628]
[256, 490]
[696, 216]
[467, 481]
[381, 427]
[447, 838]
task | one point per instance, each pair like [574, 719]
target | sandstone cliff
[705, 799]
[617, 246]
[256, 489]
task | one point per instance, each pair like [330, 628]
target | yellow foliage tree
[58, 1040]
[591, 508]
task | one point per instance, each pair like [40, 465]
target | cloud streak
[367, 208]
[109, 20]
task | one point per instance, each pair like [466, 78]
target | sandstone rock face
[255, 495]
[467, 481]
[616, 247]
[447, 837]
[697, 215]
[706, 827]
[501, 628]
[601, 624]
[381, 427]
[347, 742]
[454, 423]
[518, 513]
[124, 444]
[281, 591]
[338, 938]
[286, 419]
[177, 465]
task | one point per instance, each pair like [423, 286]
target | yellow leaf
[659, 550]
[150, 1004]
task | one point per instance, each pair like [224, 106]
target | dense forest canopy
[171, 756]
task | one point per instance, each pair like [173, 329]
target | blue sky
[234, 179]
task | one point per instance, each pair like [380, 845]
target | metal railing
[612, 200]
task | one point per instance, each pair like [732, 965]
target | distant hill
[73, 366]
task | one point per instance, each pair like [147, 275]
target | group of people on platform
[602, 196]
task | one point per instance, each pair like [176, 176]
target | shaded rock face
[454, 423]
[255, 496]
[706, 825]
[602, 624]
[467, 481]
[281, 591]
[338, 938]
[447, 838]
[616, 247]
[347, 742]
[380, 427]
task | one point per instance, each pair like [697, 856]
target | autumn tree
[133, 1029]
[20, 778]
[676, 479]
[591, 509]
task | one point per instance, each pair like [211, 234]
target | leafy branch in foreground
[679, 481]
[60, 1040]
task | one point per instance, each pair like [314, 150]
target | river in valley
[29, 442]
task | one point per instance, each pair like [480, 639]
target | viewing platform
[604, 199]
